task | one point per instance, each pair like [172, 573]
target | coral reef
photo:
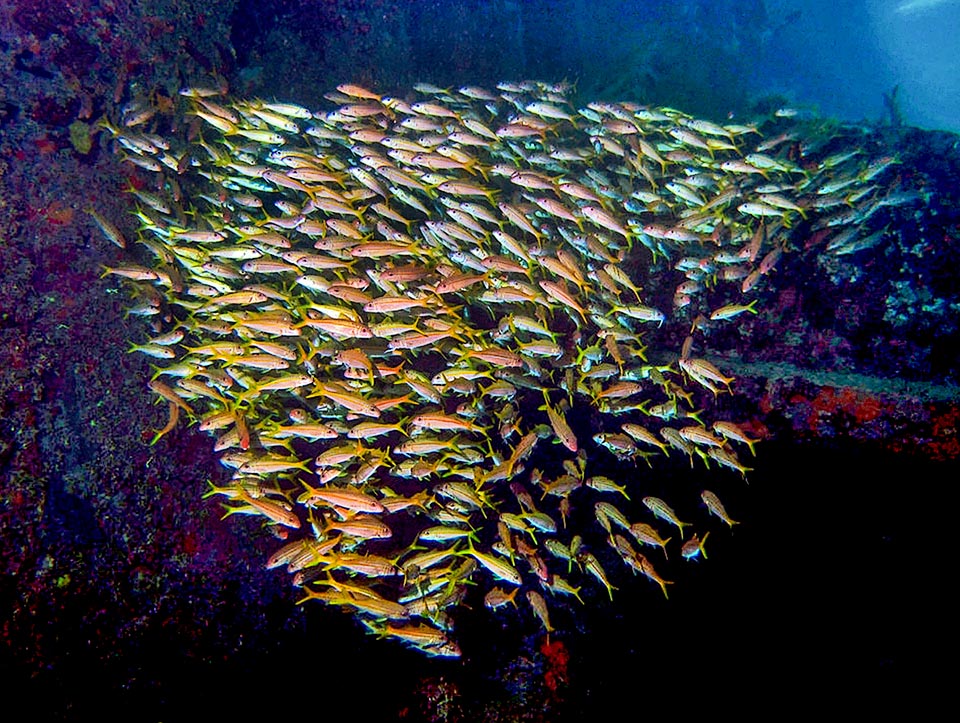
[122, 591]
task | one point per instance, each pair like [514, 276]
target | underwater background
[122, 590]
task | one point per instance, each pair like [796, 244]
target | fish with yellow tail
[558, 292]
[539, 606]
[274, 511]
[715, 507]
[693, 548]
[646, 535]
[604, 220]
[704, 373]
[559, 424]
[497, 598]
[661, 509]
[343, 498]
[646, 567]
[734, 432]
[731, 310]
[640, 313]
[500, 569]
[109, 230]
[422, 636]
[728, 458]
[592, 566]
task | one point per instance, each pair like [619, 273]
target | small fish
[274, 511]
[646, 535]
[364, 527]
[693, 547]
[559, 293]
[605, 484]
[731, 310]
[497, 598]
[500, 569]
[357, 91]
[755, 208]
[715, 507]
[605, 220]
[559, 424]
[110, 231]
[732, 431]
[646, 567]
[341, 497]
[661, 509]
[592, 566]
[704, 372]
[539, 606]
[641, 313]
[157, 351]
[727, 458]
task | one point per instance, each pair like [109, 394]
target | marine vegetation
[383, 309]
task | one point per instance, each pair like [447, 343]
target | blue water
[718, 58]
[842, 56]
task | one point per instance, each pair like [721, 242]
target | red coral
[861, 406]
[557, 658]
[944, 444]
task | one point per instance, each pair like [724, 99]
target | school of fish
[386, 311]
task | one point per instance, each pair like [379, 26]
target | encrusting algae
[382, 309]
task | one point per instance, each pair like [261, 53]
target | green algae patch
[80, 137]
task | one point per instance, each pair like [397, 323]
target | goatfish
[274, 511]
[341, 497]
[715, 507]
[559, 425]
[500, 569]
[731, 310]
[661, 509]
[732, 431]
